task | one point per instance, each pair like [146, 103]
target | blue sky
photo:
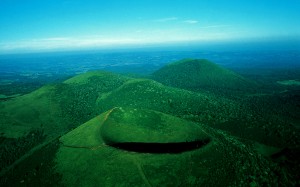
[33, 25]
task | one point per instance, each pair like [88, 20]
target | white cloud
[214, 26]
[166, 19]
[55, 39]
[191, 21]
[136, 38]
[65, 43]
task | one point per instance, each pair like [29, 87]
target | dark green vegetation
[195, 75]
[36, 169]
[14, 84]
[240, 133]
[12, 149]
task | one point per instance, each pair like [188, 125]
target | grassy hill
[59, 107]
[194, 74]
[149, 94]
[85, 158]
[30, 124]
[49, 112]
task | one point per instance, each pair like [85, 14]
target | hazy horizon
[51, 26]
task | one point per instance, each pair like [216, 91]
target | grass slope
[49, 112]
[84, 159]
[53, 110]
[149, 94]
[59, 107]
[194, 74]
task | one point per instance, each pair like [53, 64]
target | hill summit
[148, 148]
[194, 74]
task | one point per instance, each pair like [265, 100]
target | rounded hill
[149, 148]
[195, 74]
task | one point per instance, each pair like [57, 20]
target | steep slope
[149, 94]
[53, 110]
[194, 74]
[56, 108]
[35, 118]
[86, 158]
[35, 110]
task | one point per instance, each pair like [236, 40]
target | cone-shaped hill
[149, 94]
[194, 74]
[148, 148]
[58, 107]
[147, 133]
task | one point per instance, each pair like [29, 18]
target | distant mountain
[194, 74]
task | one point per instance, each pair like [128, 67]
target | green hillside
[85, 159]
[194, 74]
[57, 108]
[30, 125]
[124, 126]
[149, 94]
[33, 111]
